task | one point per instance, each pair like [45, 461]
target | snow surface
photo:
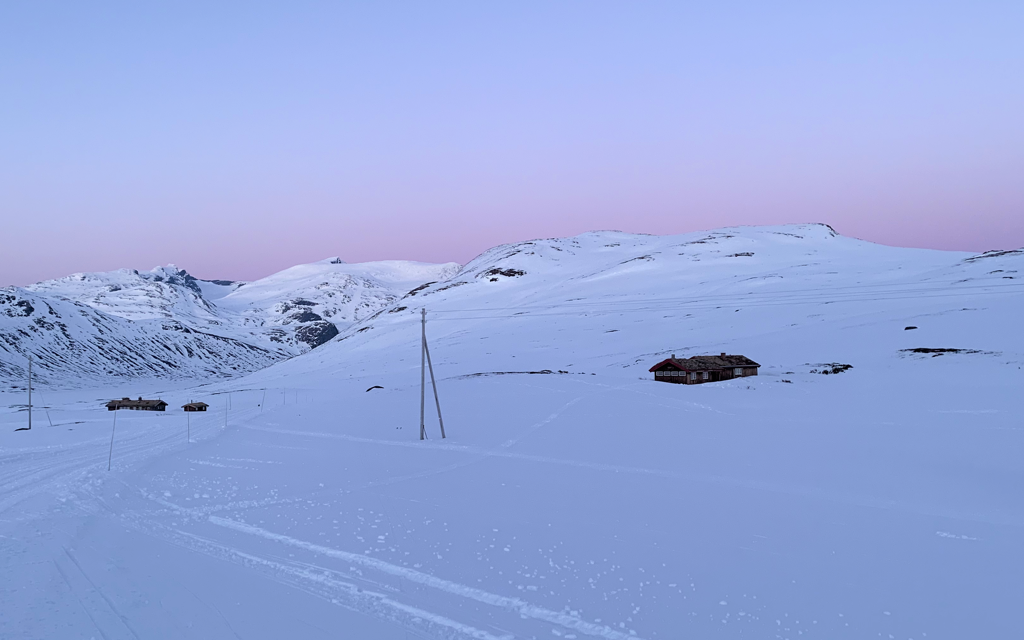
[574, 496]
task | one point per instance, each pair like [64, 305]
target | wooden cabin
[195, 406]
[701, 369]
[136, 405]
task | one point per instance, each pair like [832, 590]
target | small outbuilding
[701, 369]
[195, 406]
[136, 405]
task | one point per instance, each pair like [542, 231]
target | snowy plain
[574, 497]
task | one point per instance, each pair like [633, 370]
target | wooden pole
[188, 425]
[263, 401]
[423, 370]
[30, 392]
[433, 383]
[112, 429]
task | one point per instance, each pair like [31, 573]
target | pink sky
[235, 144]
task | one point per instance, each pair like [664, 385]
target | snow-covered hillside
[574, 496]
[609, 300]
[309, 303]
[75, 344]
[167, 323]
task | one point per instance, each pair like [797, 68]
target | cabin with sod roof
[195, 406]
[701, 369]
[136, 405]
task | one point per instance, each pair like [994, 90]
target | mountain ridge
[167, 323]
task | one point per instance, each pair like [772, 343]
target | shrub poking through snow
[831, 368]
[508, 273]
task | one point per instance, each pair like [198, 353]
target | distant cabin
[701, 369]
[195, 406]
[136, 405]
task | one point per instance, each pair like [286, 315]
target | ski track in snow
[311, 578]
[318, 580]
[519, 606]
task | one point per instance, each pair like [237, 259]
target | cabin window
[705, 375]
[738, 371]
[674, 373]
[693, 375]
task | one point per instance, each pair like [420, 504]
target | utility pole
[112, 429]
[188, 425]
[30, 392]
[425, 356]
[433, 383]
[423, 369]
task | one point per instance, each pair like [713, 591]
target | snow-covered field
[582, 500]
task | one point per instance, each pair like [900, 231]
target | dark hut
[136, 405]
[195, 406]
[701, 369]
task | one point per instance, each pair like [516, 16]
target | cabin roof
[705, 363]
[128, 402]
[195, 404]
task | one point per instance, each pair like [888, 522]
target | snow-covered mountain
[72, 343]
[166, 322]
[309, 304]
[573, 300]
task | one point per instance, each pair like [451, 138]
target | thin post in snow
[423, 370]
[263, 401]
[188, 425]
[30, 392]
[112, 429]
[433, 383]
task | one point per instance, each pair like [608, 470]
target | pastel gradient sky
[237, 139]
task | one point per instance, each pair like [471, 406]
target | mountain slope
[72, 343]
[615, 298]
[316, 300]
[166, 322]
